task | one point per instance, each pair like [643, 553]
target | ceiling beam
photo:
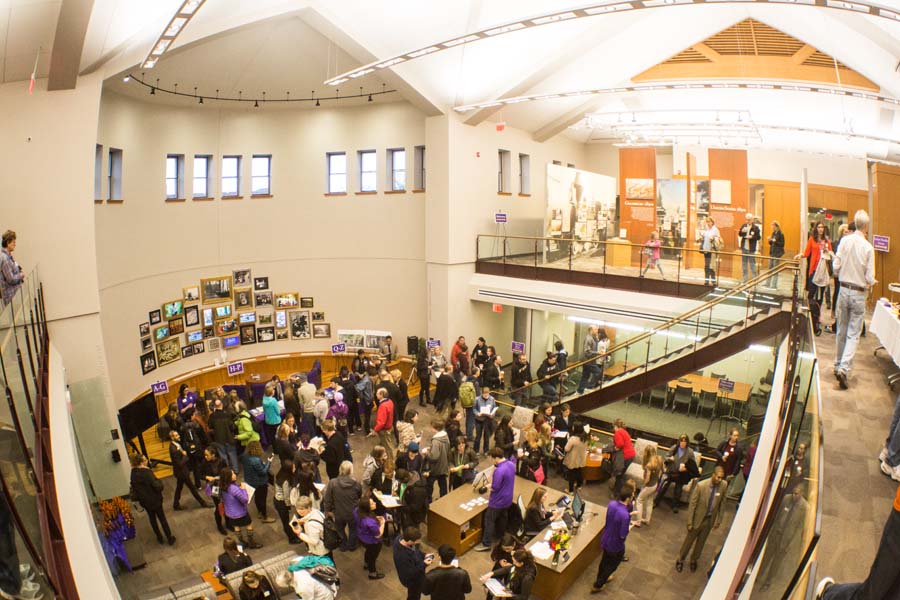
[802, 54]
[706, 51]
[68, 44]
[360, 53]
[566, 120]
[556, 62]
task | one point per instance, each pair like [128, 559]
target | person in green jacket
[245, 431]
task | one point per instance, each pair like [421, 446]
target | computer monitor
[578, 506]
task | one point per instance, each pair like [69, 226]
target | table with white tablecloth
[886, 327]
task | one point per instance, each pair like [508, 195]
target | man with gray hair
[854, 267]
[748, 237]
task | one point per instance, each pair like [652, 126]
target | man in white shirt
[855, 268]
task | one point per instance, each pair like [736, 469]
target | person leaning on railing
[11, 274]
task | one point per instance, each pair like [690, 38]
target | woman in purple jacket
[369, 528]
[235, 498]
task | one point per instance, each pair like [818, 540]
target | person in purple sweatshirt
[612, 540]
[501, 498]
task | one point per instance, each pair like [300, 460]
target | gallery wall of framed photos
[226, 311]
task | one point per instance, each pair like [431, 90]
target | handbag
[538, 473]
[820, 277]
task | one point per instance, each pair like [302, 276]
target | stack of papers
[319, 486]
[389, 501]
[474, 503]
[541, 551]
[497, 589]
[560, 434]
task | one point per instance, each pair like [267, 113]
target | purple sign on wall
[882, 243]
[338, 348]
[518, 347]
[235, 368]
[160, 387]
[432, 344]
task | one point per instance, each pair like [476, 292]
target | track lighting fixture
[256, 104]
[317, 102]
[200, 100]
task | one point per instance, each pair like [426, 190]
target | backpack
[330, 536]
[326, 574]
[467, 395]
[364, 391]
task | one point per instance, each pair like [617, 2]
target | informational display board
[726, 385]
[518, 347]
[338, 348]
[882, 243]
[160, 387]
[235, 368]
[432, 344]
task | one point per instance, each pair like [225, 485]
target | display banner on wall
[432, 344]
[881, 243]
[580, 205]
[338, 348]
[518, 347]
[235, 368]
[160, 387]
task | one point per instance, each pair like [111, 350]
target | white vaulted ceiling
[296, 45]
[27, 29]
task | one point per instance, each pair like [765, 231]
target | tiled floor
[650, 571]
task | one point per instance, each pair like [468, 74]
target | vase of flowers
[117, 527]
[559, 541]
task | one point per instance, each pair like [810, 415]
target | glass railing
[24, 505]
[730, 311]
[782, 568]
[620, 258]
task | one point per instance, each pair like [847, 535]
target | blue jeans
[851, 309]
[470, 422]
[590, 376]
[549, 390]
[494, 522]
[884, 577]
[748, 264]
[231, 453]
[893, 439]
[483, 430]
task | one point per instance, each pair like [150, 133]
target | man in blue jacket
[410, 562]
[501, 499]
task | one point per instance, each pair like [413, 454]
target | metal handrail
[675, 321]
[617, 243]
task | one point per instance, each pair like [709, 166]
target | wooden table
[698, 383]
[591, 470]
[221, 591]
[450, 524]
[616, 369]
[584, 548]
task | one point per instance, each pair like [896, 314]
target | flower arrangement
[117, 517]
[559, 541]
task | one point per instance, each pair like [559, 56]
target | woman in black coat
[504, 436]
[519, 580]
[147, 489]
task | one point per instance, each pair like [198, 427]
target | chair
[277, 565]
[635, 470]
[657, 393]
[684, 394]
[719, 375]
[233, 580]
[708, 399]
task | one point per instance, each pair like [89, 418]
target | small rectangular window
[202, 175]
[174, 176]
[524, 174]
[570, 165]
[231, 176]
[397, 169]
[367, 176]
[98, 172]
[503, 167]
[261, 174]
[114, 177]
[557, 163]
[419, 168]
[336, 163]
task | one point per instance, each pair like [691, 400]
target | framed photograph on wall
[280, 319]
[168, 351]
[639, 189]
[318, 316]
[227, 326]
[208, 317]
[213, 344]
[243, 298]
[176, 326]
[287, 300]
[155, 316]
[248, 334]
[306, 302]
[191, 293]
[194, 336]
[191, 316]
[321, 330]
[281, 334]
[161, 332]
[145, 329]
[265, 334]
[242, 277]
[173, 309]
[216, 289]
[263, 298]
[353, 338]
[231, 341]
[187, 351]
[148, 362]
[209, 332]
[260, 283]
[198, 348]
[264, 318]
[246, 317]
[223, 311]
[146, 344]
[299, 320]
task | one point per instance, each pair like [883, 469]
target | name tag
[718, 493]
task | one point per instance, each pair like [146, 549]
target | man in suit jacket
[704, 514]
[389, 349]
[181, 470]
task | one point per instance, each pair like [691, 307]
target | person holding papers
[501, 499]
[447, 581]
[485, 407]
[518, 579]
[463, 463]
[236, 497]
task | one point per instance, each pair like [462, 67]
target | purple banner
[235, 368]
[160, 387]
[882, 243]
[338, 348]
[518, 347]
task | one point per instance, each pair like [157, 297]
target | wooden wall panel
[730, 165]
[884, 221]
[782, 204]
[637, 217]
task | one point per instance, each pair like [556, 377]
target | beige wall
[360, 257]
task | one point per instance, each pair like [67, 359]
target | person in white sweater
[310, 527]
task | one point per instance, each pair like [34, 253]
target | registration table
[886, 327]
[456, 520]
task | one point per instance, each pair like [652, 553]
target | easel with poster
[500, 220]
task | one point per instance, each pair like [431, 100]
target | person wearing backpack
[310, 528]
[194, 440]
[364, 390]
[222, 428]
[244, 422]
[467, 402]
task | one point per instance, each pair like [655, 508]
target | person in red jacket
[384, 423]
[818, 246]
[622, 442]
[454, 352]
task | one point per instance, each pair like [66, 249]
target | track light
[153, 91]
[317, 102]
[200, 100]
[256, 104]
[370, 97]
